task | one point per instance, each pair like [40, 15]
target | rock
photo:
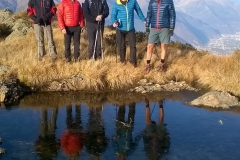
[2, 151]
[3, 92]
[70, 84]
[142, 81]
[12, 90]
[216, 99]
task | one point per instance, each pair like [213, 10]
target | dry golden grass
[183, 64]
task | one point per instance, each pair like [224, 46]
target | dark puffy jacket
[41, 9]
[70, 14]
[93, 8]
[161, 14]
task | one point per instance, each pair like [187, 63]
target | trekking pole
[101, 42]
[39, 27]
[95, 43]
[116, 41]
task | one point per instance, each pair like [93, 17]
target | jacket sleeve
[60, 16]
[105, 9]
[81, 22]
[30, 10]
[139, 11]
[87, 13]
[114, 14]
[172, 15]
[52, 11]
[149, 14]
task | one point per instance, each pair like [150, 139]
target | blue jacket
[161, 14]
[124, 14]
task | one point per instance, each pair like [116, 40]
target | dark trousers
[75, 33]
[91, 32]
[121, 43]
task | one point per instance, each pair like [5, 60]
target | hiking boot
[148, 68]
[76, 60]
[161, 67]
[68, 60]
[54, 60]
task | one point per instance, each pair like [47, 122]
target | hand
[83, 29]
[170, 32]
[147, 30]
[115, 24]
[45, 19]
[99, 18]
[64, 31]
[38, 21]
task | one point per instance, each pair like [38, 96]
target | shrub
[5, 30]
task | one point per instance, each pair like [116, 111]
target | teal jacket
[124, 14]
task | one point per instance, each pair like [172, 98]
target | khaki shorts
[159, 36]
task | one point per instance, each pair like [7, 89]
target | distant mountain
[199, 22]
[16, 5]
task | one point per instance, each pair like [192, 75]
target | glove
[38, 20]
[147, 30]
[45, 19]
[83, 29]
[170, 32]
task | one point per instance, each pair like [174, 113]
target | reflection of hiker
[70, 21]
[95, 12]
[72, 138]
[155, 136]
[41, 12]
[122, 17]
[161, 15]
[123, 141]
[47, 145]
[96, 140]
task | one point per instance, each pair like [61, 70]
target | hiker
[161, 15]
[47, 145]
[96, 140]
[122, 17]
[123, 141]
[41, 13]
[72, 137]
[95, 12]
[155, 136]
[71, 21]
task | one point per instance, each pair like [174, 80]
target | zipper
[73, 11]
[41, 10]
[127, 16]
[158, 14]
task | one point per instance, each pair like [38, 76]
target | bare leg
[163, 51]
[149, 56]
[149, 51]
[163, 56]
[147, 112]
[161, 112]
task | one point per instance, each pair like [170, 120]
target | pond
[117, 126]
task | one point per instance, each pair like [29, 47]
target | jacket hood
[119, 2]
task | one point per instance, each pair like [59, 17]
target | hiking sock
[148, 61]
[162, 60]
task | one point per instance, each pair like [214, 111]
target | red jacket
[70, 14]
[71, 143]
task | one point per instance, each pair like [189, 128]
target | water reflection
[115, 126]
[47, 145]
[124, 142]
[155, 136]
[72, 137]
[96, 140]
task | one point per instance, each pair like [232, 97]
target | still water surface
[116, 126]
